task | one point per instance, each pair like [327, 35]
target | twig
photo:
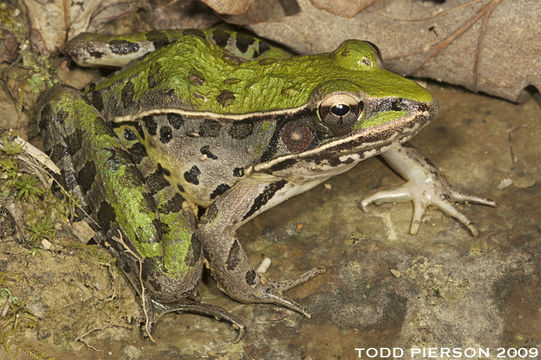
[143, 295]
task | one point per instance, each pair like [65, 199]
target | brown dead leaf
[230, 7]
[53, 22]
[343, 8]
[484, 45]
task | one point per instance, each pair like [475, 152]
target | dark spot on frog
[233, 257]
[196, 79]
[175, 120]
[138, 152]
[191, 175]
[112, 161]
[58, 152]
[205, 150]
[164, 227]
[220, 189]
[159, 39]
[156, 181]
[150, 124]
[173, 205]
[264, 197]
[467, 121]
[241, 129]
[123, 47]
[263, 47]
[195, 32]
[86, 176]
[220, 38]
[94, 53]
[488, 112]
[106, 215]
[250, 277]
[74, 142]
[139, 129]
[210, 128]
[127, 94]
[335, 161]
[129, 134]
[166, 134]
[244, 42]
[238, 172]
[344, 53]
[153, 78]
[367, 61]
[196, 251]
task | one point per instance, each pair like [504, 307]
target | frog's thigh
[97, 167]
[227, 261]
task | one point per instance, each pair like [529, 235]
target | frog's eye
[339, 112]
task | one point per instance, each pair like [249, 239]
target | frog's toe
[398, 194]
[271, 296]
[419, 209]
[284, 285]
[460, 197]
[446, 207]
[194, 307]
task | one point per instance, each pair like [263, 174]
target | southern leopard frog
[224, 122]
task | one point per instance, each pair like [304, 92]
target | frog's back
[155, 106]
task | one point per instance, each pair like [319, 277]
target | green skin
[275, 85]
[268, 126]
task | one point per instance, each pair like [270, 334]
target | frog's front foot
[425, 187]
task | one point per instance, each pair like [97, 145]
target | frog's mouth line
[362, 143]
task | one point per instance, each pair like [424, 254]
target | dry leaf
[343, 8]
[52, 22]
[230, 7]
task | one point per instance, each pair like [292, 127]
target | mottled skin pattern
[225, 122]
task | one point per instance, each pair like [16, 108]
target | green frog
[201, 131]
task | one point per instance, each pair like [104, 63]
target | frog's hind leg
[155, 222]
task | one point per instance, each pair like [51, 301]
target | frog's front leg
[227, 260]
[425, 186]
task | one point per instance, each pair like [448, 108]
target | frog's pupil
[340, 109]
